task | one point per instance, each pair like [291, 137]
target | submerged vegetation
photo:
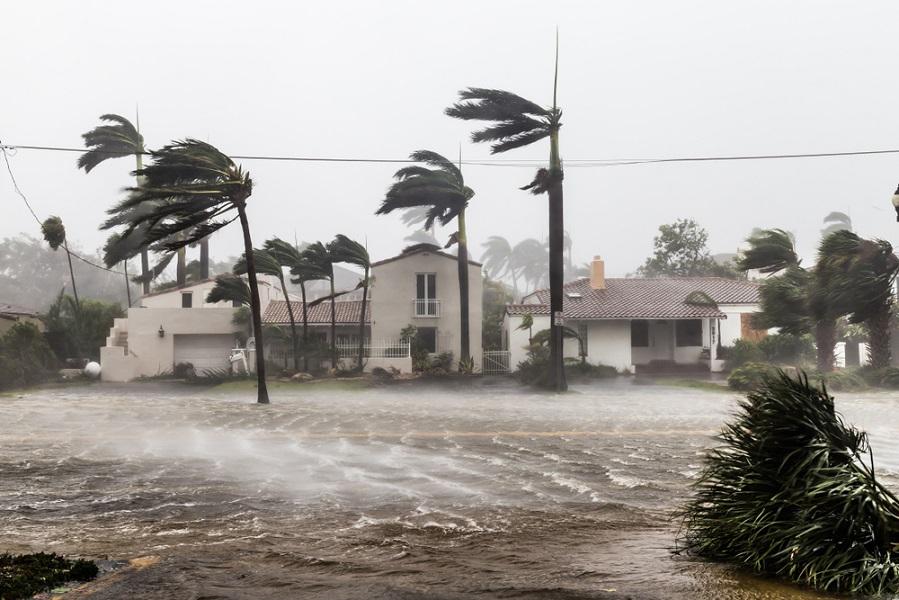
[24, 575]
[791, 493]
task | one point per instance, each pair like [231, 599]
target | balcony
[426, 308]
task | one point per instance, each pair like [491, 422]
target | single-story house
[10, 314]
[629, 323]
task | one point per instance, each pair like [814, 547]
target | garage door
[204, 351]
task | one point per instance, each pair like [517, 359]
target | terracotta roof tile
[639, 298]
[346, 311]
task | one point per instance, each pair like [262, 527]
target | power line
[496, 162]
[3, 149]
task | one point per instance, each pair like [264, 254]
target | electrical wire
[3, 150]
[497, 162]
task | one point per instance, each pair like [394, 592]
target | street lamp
[896, 202]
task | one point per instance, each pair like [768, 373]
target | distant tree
[73, 330]
[55, 235]
[681, 250]
[25, 357]
[321, 257]
[532, 258]
[190, 191]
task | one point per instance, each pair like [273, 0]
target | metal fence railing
[426, 307]
[496, 362]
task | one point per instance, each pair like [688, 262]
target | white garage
[204, 351]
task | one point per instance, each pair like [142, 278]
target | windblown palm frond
[190, 189]
[346, 250]
[119, 138]
[229, 288]
[790, 494]
[440, 191]
[265, 262]
[519, 122]
[770, 251]
[784, 302]
[319, 256]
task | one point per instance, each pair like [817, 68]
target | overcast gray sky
[371, 79]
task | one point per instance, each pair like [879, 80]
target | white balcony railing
[426, 307]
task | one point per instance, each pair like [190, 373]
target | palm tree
[345, 250]
[860, 276]
[321, 257]
[268, 264]
[55, 235]
[532, 259]
[797, 300]
[232, 288]
[443, 192]
[188, 193]
[116, 139]
[499, 260]
[520, 122]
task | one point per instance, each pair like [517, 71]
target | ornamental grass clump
[791, 493]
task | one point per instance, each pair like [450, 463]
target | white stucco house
[629, 323]
[418, 287]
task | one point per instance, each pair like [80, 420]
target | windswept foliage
[792, 493]
[770, 251]
[229, 288]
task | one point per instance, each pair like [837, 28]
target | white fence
[383, 349]
[496, 362]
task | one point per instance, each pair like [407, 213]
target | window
[187, 300]
[427, 337]
[582, 333]
[640, 334]
[688, 332]
[426, 304]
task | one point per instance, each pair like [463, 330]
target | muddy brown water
[420, 491]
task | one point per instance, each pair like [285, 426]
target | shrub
[791, 494]
[534, 369]
[443, 361]
[184, 370]
[24, 575]
[887, 377]
[467, 366]
[741, 353]
[785, 348]
[25, 357]
[579, 368]
[749, 376]
[840, 381]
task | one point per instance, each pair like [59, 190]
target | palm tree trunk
[825, 340]
[204, 258]
[462, 260]
[333, 325]
[255, 309]
[878, 326]
[181, 268]
[556, 266]
[127, 282]
[144, 253]
[293, 326]
[305, 328]
[362, 319]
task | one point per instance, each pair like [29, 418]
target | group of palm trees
[525, 265]
[853, 278]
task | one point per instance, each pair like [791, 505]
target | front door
[662, 340]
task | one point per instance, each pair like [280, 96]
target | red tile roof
[638, 298]
[346, 311]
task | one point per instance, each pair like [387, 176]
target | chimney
[598, 273]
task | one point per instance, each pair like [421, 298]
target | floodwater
[405, 491]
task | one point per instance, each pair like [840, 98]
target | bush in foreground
[24, 575]
[791, 494]
[749, 376]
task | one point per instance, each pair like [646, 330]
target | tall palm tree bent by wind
[322, 258]
[520, 122]
[268, 264]
[350, 251]
[190, 191]
[443, 191]
[117, 139]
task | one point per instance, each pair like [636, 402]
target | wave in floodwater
[401, 492]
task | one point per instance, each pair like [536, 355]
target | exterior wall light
[896, 202]
[161, 332]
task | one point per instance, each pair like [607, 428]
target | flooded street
[403, 491]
